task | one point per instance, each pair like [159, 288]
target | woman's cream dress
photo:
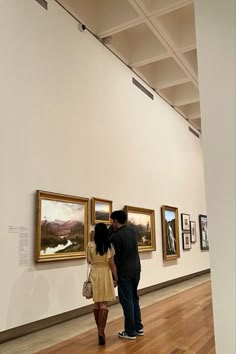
[100, 274]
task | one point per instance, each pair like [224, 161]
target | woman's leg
[102, 305]
[102, 319]
[96, 312]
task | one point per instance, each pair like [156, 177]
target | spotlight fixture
[81, 27]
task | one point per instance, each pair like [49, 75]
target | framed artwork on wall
[170, 232]
[204, 243]
[143, 220]
[186, 240]
[185, 222]
[61, 226]
[193, 231]
[101, 210]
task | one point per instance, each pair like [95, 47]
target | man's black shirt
[126, 247]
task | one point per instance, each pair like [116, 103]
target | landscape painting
[101, 211]
[143, 220]
[170, 232]
[204, 243]
[62, 227]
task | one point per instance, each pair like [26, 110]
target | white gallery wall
[216, 29]
[72, 122]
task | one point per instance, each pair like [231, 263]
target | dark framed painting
[170, 232]
[143, 220]
[204, 243]
[186, 239]
[185, 222]
[61, 226]
[193, 231]
[101, 210]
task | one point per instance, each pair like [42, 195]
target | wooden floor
[182, 323]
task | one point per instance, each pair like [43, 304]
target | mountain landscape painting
[62, 228]
[101, 210]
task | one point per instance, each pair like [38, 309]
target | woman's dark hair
[101, 238]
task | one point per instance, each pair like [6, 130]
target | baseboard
[28, 328]
[155, 287]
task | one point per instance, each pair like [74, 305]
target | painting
[185, 222]
[143, 220]
[101, 210]
[61, 226]
[204, 243]
[186, 240]
[170, 232]
[193, 231]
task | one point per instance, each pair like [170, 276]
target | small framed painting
[101, 211]
[170, 232]
[193, 232]
[185, 222]
[143, 220]
[61, 226]
[204, 243]
[186, 241]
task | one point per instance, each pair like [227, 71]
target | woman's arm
[113, 270]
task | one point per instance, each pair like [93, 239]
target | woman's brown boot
[102, 320]
[96, 314]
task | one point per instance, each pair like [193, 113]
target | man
[128, 268]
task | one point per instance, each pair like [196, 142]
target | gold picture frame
[101, 210]
[61, 226]
[143, 220]
[170, 232]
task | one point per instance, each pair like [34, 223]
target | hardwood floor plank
[180, 324]
[207, 346]
[178, 351]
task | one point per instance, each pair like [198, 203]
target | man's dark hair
[119, 215]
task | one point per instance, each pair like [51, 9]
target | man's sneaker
[140, 332]
[125, 335]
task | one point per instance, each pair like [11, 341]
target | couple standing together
[115, 261]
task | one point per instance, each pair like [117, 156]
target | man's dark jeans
[129, 300]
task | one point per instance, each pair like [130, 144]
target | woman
[100, 254]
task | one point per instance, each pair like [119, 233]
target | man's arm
[116, 241]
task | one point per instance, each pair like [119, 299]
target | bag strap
[88, 267]
[88, 272]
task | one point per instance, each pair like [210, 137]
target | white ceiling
[155, 38]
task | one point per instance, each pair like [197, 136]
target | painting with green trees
[143, 221]
[61, 226]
